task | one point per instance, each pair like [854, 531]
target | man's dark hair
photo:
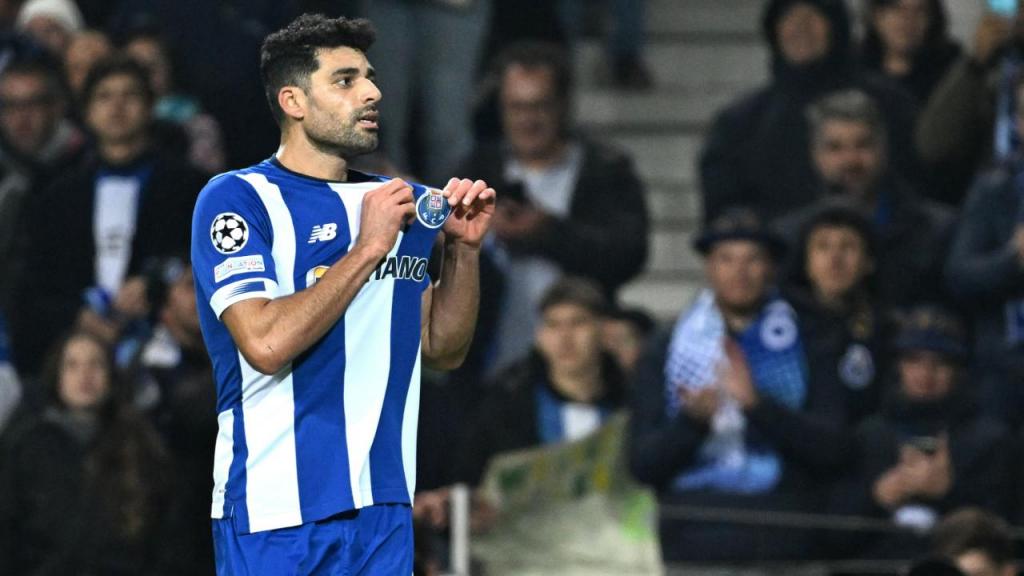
[575, 290]
[289, 56]
[534, 54]
[116, 66]
[974, 530]
[42, 67]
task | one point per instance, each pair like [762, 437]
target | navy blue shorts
[367, 542]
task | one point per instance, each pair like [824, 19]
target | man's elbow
[444, 362]
[263, 358]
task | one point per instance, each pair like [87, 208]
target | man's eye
[345, 82]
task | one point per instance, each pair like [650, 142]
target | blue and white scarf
[731, 460]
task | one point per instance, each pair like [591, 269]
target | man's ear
[292, 101]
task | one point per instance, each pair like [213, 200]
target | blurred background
[753, 301]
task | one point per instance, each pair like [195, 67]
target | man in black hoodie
[757, 151]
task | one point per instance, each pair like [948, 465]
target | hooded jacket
[757, 152]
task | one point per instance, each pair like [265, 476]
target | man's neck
[738, 320]
[549, 158]
[186, 339]
[122, 152]
[896, 64]
[298, 154]
[580, 385]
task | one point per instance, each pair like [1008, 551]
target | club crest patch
[432, 208]
[857, 367]
[229, 233]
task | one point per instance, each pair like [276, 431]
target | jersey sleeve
[231, 245]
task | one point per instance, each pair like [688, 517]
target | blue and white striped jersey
[336, 429]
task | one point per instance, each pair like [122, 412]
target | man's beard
[343, 139]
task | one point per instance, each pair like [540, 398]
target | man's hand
[1017, 243]
[516, 221]
[927, 475]
[431, 506]
[385, 211]
[131, 301]
[992, 33]
[736, 376]
[701, 404]
[472, 208]
[890, 490]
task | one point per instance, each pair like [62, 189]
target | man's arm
[450, 307]
[270, 333]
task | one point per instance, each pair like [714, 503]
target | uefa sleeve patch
[229, 232]
[432, 208]
[238, 265]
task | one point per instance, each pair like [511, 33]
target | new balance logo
[323, 233]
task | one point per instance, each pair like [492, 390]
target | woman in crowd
[830, 286]
[83, 486]
[908, 41]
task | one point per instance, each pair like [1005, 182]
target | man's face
[181, 304]
[739, 272]
[118, 110]
[848, 157]
[150, 54]
[926, 376]
[902, 26]
[569, 338]
[531, 111]
[837, 260]
[803, 34]
[977, 563]
[29, 112]
[341, 104]
[85, 51]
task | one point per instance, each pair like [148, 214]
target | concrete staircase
[703, 54]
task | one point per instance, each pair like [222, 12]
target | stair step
[662, 157]
[674, 204]
[678, 109]
[678, 63]
[671, 252]
[717, 16]
[663, 298]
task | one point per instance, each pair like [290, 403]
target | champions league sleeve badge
[432, 208]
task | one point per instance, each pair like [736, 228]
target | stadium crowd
[857, 350]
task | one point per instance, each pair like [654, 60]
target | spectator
[51, 23]
[970, 117]
[985, 273]
[979, 542]
[730, 411]
[852, 161]
[36, 143]
[205, 146]
[86, 49]
[625, 68]
[174, 386]
[755, 152]
[85, 484]
[414, 57]
[929, 450]
[105, 220]
[562, 390]
[10, 384]
[908, 41]
[625, 333]
[832, 289]
[228, 84]
[569, 205]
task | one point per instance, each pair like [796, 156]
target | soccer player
[317, 310]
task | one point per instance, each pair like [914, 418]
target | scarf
[732, 459]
